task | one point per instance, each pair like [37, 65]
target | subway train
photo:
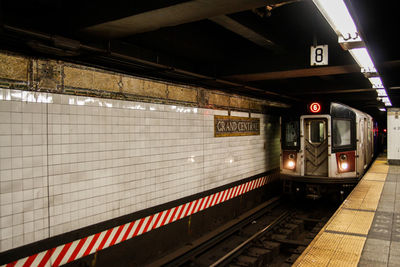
[325, 149]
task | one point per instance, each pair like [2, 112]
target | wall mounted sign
[319, 55]
[235, 126]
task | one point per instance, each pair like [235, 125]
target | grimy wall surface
[79, 146]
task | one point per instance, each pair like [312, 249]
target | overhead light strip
[363, 59]
[339, 18]
[376, 82]
[381, 92]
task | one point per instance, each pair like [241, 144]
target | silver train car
[325, 150]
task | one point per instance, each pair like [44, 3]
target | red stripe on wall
[103, 242]
[236, 191]
[201, 203]
[173, 214]
[46, 257]
[157, 219]
[230, 193]
[215, 197]
[29, 261]
[196, 204]
[77, 249]
[11, 264]
[138, 227]
[61, 255]
[188, 209]
[241, 187]
[225, 197]
[220, 198]
[89, 248]
[128, 231]
[250, 186]
[246, 188]
[148, 224]
[210, 199]
[165, 217]
[117, 235]
[181, 211]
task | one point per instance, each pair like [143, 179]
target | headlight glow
[344, 165]
[291, 164]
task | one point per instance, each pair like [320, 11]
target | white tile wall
[69, 162]
[23, 170]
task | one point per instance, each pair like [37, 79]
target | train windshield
[291, 133]
[341, 132]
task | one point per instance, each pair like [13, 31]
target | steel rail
[256, 235]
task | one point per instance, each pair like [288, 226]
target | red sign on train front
[315, 107]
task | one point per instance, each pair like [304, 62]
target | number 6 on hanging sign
[319, 55]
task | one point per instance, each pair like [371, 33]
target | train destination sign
[235, 126]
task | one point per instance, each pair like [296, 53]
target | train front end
[321, 149]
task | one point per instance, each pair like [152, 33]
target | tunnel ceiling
[249, 47]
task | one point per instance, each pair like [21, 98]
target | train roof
[335, 109]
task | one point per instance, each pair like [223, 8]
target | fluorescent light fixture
[386, 100]
[381, 92]
[376, 82]
[363, 59]
[337, 15]
[382, 109]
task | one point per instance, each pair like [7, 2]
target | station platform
[365, 230]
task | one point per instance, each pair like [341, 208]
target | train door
[316, 146]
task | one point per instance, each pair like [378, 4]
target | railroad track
[274, 234]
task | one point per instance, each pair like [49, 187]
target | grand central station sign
[235, 126]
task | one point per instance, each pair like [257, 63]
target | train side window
[341, 132]
[291, 133]
[317, 131]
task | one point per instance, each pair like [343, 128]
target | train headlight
[291, 164]
[289, 160]
[344, 166]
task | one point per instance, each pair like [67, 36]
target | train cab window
[341, 132]
[291, 134]
[317, 131]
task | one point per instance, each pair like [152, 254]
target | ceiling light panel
[381, 92]
[337, 15]
[363, 59]
[376, 82]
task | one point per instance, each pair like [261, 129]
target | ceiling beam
[306, 72]
[240, 29]
[327, 92]
[298, 73]
[181, 13]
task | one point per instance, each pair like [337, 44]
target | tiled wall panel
[23, 171]
[69, 162]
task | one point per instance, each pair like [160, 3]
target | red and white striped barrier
[82, 247]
